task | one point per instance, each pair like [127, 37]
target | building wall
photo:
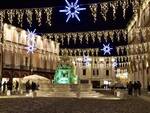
[16, 60]
[95, 70]
[138, 37]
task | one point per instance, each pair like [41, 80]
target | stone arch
[16, 74]
[23, 37]
[45, 43]
[23, 74]
[52, 46]
[7, 32]
[7, 73]
[39, 42]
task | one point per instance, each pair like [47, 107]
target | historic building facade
[96, 71]
[16, 62]
[138, 61]
[134, 65]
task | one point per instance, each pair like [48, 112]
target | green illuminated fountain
[65, 72]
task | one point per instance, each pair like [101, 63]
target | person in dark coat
[9, 85]
[33, 85]
[135, 86]
[130, 88]
[27, 86]
[4, 86]
[16, 86]
[139, 87]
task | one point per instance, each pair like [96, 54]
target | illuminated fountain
[66, 82]
[65, 77]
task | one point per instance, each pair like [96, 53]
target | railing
[22, 67]
[7, 66]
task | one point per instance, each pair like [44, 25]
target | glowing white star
[31, 35]
[30, 48]
[72, 10]
[31, 41]
[106, 49]
[86, 60]
[114, 64]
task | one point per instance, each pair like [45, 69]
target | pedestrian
[33, 86]
[135, 86]
[16, 86]
[4, 87]
[130, 88]
[0, 86]
[9, 87]
[139, 87]
[27, 86]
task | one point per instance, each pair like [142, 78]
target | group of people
[13, 87]
[9, 85]
[30, 85]
[134, 88]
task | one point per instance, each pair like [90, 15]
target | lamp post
[31, 70]
[1, 59]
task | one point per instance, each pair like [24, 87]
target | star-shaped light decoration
[31, 35]
[106, 49]
[30, 48]
[72, 10]
[86, 60]
[114, 64]
[31, 41]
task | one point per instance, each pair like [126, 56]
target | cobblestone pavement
[72, 105]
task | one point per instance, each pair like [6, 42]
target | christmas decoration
[86, 60]
[87, 35]
[114, 64]
[72, 10]
[31, 35]
[31, 41]
[19, 13]
[106, 49]
[93, 8]
[30, 48]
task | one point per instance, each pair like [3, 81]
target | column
[145, 78]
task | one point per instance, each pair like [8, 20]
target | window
[94, 72]
[84, 71]
[97, 72]
[95, 62]
[107, 72]
[84, 81]
[26, 61]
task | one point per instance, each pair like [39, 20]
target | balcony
[24, 67]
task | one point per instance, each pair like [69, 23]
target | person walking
[9, 87]
[139, 87]
[135, 86]
[130, 88]
[27, 86]
[16, 86]
[4, 87]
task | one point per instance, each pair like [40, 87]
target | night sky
[86, 23]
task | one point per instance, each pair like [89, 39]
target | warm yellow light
[101, 59]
